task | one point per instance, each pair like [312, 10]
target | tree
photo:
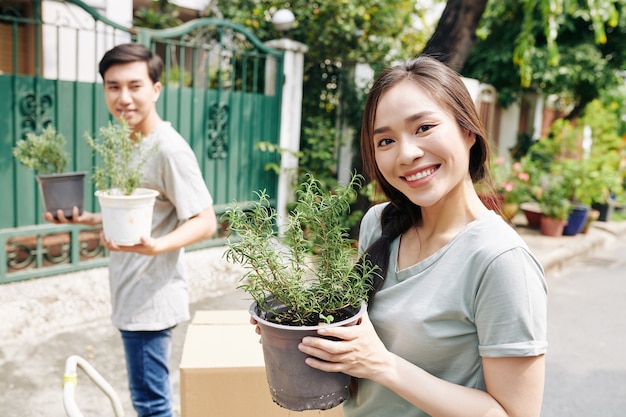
[160, 14]
[561, 50]
[338, 34]
[456, 32]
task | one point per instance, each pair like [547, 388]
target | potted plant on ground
[310, 276]
[555, 207]
[126, 207]
[513, 184]
[605, 154]
[46, 155]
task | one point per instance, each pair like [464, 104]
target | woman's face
[418, 145]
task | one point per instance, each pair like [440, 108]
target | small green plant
[123, 158]
[290, 285]
[44, 153]
[554, 201]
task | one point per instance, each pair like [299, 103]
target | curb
[556, 253]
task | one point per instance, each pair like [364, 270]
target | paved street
[586, 361]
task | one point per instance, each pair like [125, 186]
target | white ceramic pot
[126, 218]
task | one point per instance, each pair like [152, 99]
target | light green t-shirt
[483, 294]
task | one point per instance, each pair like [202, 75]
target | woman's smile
[423, 173]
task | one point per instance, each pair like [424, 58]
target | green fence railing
[216, 93]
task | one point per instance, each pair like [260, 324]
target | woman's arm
[514, 385]
[514, 389]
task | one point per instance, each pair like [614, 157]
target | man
[149, 293]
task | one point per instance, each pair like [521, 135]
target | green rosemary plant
[122, 155]
[290, 285]
[44, 153]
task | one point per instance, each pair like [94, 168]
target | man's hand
[86, 218]
[148, 246]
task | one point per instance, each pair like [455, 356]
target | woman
[457, 326]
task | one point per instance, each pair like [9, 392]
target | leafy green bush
[44, 153]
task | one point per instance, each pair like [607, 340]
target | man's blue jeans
[147, 360]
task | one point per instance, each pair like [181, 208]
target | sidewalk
[554, 253]
[44, 321]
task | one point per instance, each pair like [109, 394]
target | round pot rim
[356, 316]
[64, 174]
[530, 206]
[139, 193]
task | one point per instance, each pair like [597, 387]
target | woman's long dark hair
[446, 87]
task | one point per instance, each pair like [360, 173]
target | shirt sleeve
[185, 185]
[511, 307]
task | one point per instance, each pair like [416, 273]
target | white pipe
[70, 379]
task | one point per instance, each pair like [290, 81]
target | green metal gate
[222, 92]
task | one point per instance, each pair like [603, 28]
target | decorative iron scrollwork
[90, 246]
[19, 255]
[41, 251]
[10, 11]
[35, 111]
[56, 248]
[217, 131]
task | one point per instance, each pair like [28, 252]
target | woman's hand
[359, 353]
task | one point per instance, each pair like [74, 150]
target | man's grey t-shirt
[482, 294]
[150, 292]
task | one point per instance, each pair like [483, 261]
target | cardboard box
[222, 373]
[221, 317]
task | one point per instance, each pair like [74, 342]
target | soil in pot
[126, 218]
[293, 384]
[62, 192]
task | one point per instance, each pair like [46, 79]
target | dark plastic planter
[62, 192]
[532, 212]
[293, 384]
[605, 209]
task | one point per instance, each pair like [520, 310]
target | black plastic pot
[293, 384]
[605, 209]
[62, 192]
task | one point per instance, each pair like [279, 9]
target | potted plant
[555, 207]
[513, 184]
[126, 207]
[605, 152]
[604, 182]
[46, 155]
[307, 277]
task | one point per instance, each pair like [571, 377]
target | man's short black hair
[132, 52]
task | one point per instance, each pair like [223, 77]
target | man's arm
[199, 227]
